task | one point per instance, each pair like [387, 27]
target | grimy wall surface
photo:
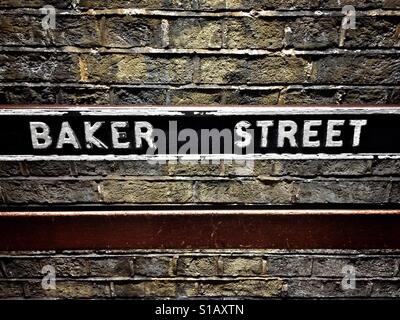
[183, 52]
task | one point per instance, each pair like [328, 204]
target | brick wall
[200, 52]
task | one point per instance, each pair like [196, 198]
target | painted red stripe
[311, 229]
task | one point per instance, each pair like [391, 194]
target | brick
[147, 191]
[365, 96]
[222, 70]
[382, 32]
[253, 97]
[129, 32]
[316, 288]
[195, 33]
[341, 191]
[395, 192]
[36, 95]
[84, 96]
[238, 266]
[272, 70]
[195, 97]
[313, 33]
[11, 290]
[111, 267]
[268, 192]
[153, 266]
[9, 169]
[197, 266]
[62, 4]
[136, 69]
[287, 266]
[309, 96]
[250, 33]
[70, 31]
[139, 96]
[49, 168]
[364, 266]
[151, 289]
[143, 168]
[49, 191]
[145, 4]
[38, 67]
[391, 4]
[386, 167]
[243, 288]
[97, 168]
[336, 96]
[23, 268]
[362, 4]
[193, 168]
[322, 167]
[356, 69]
[32, 268]
[386, 289]
[238, 168]
[68, 290]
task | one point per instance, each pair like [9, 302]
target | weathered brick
[365, 96]
[128, 32]
[84, 96]
[271, 70]
[386, 167]
[21, 94]
[97, 168]
[309, 96]
[11, 290]
[197, 266]
[255, 97]
[68, 290]
[267, 192]
[313, 33]
[341, 191]
[195, 33]
[250, 33]
[322, 167]
[195, 97]
[9, 168]
[70, 31]
[153, 266]
[38, 67]
[143, 168]
[49, 168]
[386, 289]
[137, 191]
[136, 69]
[395, 192]
[32, 268]
[49, 191]
[146, 4]
[237, 266]
[238, 168]
[243, 288]
[288, 266]
[364, 266]
[320, 288]
[111, 267]
[194, 168]
[222, 70]
[374, 32]
[152, 289]
[356, 69]
[138, 96]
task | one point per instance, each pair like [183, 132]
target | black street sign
[220, 132]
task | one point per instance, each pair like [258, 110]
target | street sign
[220, 132]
